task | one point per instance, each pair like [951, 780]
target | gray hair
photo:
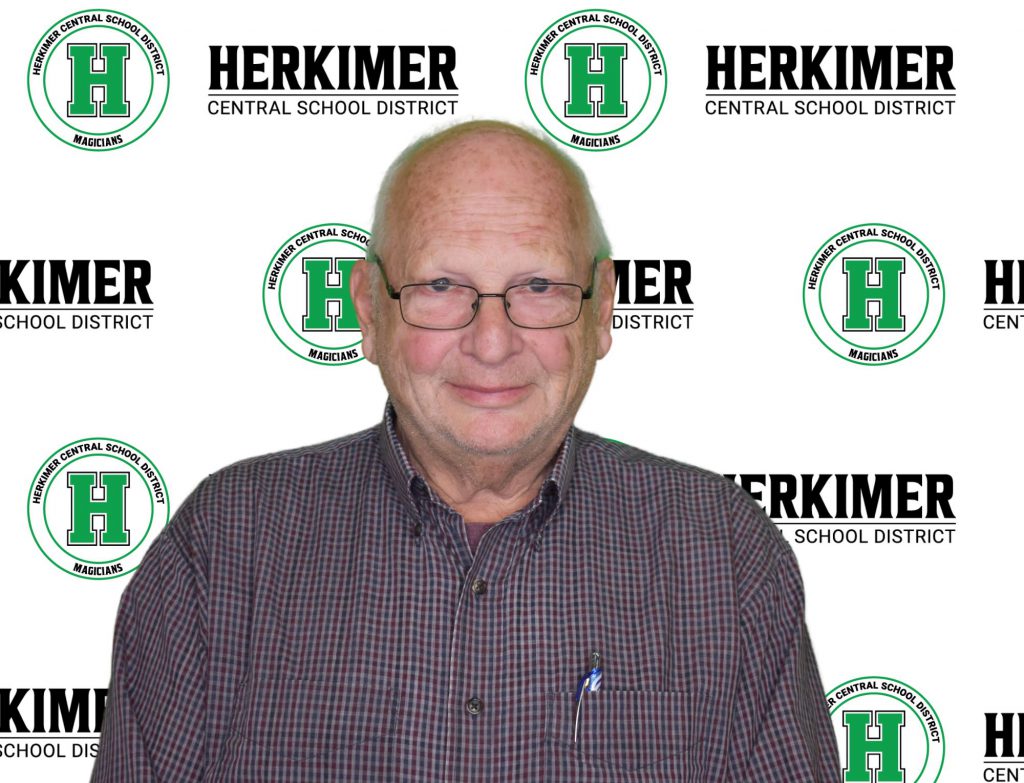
[597, 239]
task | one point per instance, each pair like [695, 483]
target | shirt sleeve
[153, 728]
[781, 726]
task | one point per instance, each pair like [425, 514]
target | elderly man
[473, 590]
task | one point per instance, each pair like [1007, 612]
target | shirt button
[479, 587]
[474, 706]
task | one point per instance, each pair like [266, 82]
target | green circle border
[927, 299]
[926, 339]
[647, 97]
[28, 504]
[526, 71]
[149, 527]
[263, 297]
[149, 98]
[28, 81]
[942, 731]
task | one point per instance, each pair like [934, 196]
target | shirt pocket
[627, 735]
[285, 729]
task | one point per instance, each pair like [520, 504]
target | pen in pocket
[589, 683]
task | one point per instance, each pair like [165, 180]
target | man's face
[488, 211]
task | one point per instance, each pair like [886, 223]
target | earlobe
[362, 299]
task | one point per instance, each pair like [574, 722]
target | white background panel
[748, 388]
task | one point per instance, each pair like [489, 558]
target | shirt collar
[415, 491]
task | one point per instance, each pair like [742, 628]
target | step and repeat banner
[814, 213]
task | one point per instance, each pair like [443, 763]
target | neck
[482, 488]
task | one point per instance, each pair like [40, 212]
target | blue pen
[589, 683]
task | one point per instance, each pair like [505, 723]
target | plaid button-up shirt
[318, 615]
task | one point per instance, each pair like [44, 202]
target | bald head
[481, 157]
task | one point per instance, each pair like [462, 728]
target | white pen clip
[590, 683]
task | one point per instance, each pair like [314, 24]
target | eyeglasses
[441, 304]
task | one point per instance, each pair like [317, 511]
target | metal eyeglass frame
[586, 293]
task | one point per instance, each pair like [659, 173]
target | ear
[605, 291]
[360, 281]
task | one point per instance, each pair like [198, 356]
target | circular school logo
[595, 79]
[886, 731]
[874, 294]
[306, 295]
[98, 79]
[93, 504]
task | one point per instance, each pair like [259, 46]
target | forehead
[488, 194]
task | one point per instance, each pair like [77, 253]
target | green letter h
[111, 79]
[319, 293]
[84, 508]
[887, 746]
[609, 79]
[886, 293]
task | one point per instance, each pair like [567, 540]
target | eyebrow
[541, 271]
[393, 292]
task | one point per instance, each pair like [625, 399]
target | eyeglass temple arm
[373, 258]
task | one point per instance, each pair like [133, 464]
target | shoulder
[601, 456]
[316, 460]
[714, 499]
[708, 508]
[232, 501]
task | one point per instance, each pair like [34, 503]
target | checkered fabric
[318, 615]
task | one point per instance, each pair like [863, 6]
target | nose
[491, 337]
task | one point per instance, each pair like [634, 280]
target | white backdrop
[747, 389]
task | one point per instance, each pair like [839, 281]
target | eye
[539, 285]
[441, 285]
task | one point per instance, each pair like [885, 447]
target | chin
[497, 433]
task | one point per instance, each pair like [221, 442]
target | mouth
[489, 396]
